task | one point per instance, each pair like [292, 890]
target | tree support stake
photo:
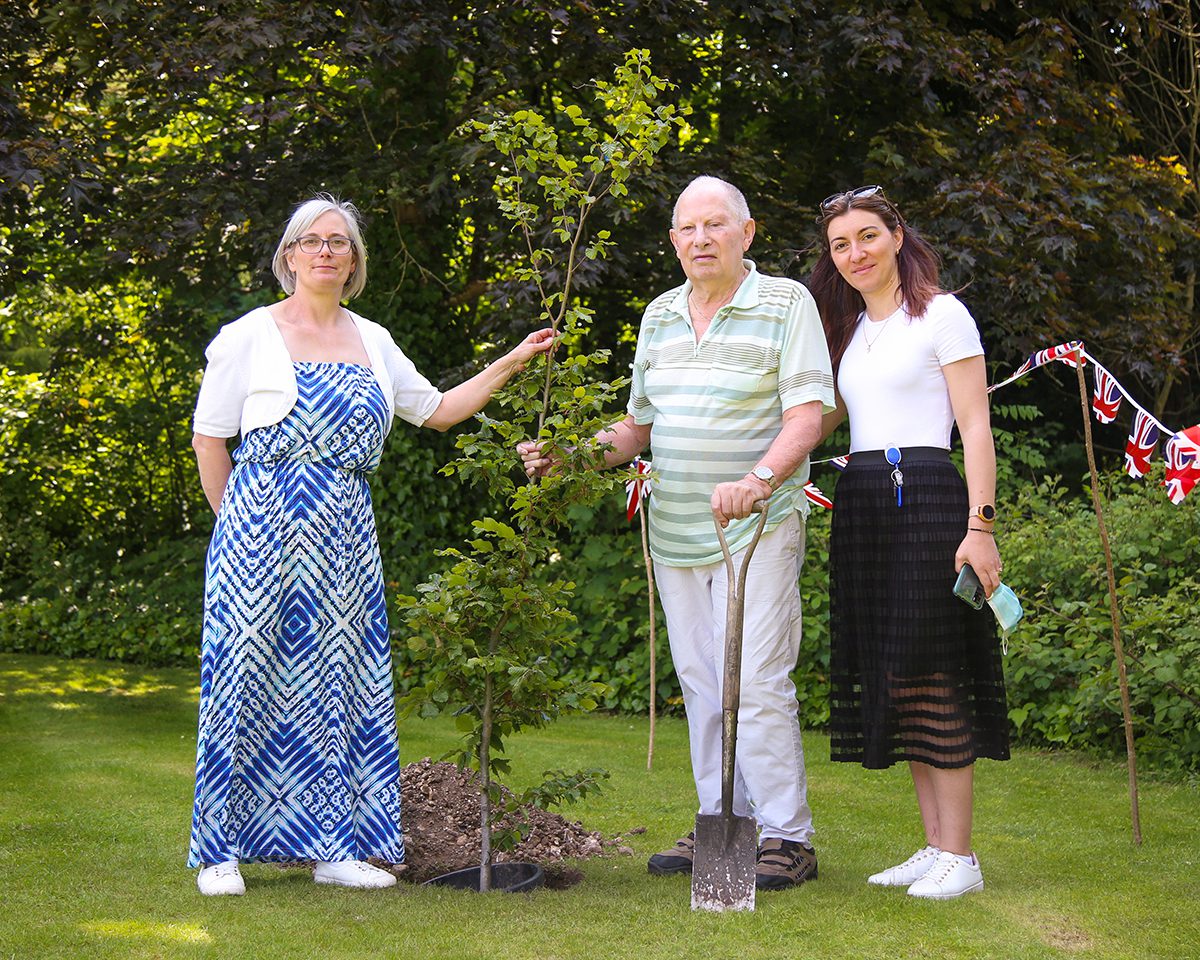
[1118, 649]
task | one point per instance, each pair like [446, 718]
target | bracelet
[981, 530]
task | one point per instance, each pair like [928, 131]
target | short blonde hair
[302, 219]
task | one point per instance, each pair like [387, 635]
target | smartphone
[968, 588]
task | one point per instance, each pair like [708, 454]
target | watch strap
[767, 476]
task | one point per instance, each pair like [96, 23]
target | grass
[96, 765]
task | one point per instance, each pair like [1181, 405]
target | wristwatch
[765, 474]
[985, 512]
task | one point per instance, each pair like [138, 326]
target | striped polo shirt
[716, 406]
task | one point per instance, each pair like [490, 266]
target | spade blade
[723, 863]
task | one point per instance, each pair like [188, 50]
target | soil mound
[440, 813]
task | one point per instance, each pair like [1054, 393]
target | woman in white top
[297, 756]
[916, 673]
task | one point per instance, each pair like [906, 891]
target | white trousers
[769, 779]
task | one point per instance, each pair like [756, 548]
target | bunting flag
[1106, 400]
[1064, 352]
[637, 488]
[1183, 463]
[814, 494]
[1182, 449]
[1139, 448]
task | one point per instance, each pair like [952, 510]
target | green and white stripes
[717, 405]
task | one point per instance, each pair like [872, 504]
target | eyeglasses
[858, 194]
[338, 246]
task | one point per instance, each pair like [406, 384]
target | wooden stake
[653, 646]
[1119, 650]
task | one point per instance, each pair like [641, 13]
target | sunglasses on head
[858, 193]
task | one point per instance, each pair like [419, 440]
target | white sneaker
[949, 877]
[221, 880]
[911, 870]
[353, 873]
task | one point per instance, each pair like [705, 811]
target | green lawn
[95, 792]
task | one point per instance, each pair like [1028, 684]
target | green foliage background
[1061, 670]
[150, 153]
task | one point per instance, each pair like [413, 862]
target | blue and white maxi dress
[297, 755]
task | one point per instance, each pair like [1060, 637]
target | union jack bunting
[637, 489]
[1139, 448]
[1065, 352]
[1182, 449]
[1183, 463]
[814, 494]
[1106, 400]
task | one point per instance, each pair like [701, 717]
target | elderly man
[730, 379]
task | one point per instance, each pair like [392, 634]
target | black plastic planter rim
[506, 877]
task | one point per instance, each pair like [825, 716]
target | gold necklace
[870, 343]
[725, 301]
[700, 315]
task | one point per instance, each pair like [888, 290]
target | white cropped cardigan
[250, 381]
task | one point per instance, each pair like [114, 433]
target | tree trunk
[485, 803]
[1186, 335]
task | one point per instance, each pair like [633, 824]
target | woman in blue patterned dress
[297, 755]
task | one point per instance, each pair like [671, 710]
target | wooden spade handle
[731, 693]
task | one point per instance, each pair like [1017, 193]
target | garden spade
[727, 845]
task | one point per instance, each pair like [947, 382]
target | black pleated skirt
[916, 673]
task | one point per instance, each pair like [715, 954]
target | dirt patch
[1061, 934]
[1057, 931]
[440, 814]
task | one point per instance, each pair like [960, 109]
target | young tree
[491, 625]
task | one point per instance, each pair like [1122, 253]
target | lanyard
[893, 456]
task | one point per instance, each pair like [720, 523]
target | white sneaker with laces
[353, 873]
[949, 877]
[911, 870]
[221, 880]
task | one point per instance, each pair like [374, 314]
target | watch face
[987, 512]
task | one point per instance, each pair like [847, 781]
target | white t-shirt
[895, 393]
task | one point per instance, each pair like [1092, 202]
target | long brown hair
[839, 303]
